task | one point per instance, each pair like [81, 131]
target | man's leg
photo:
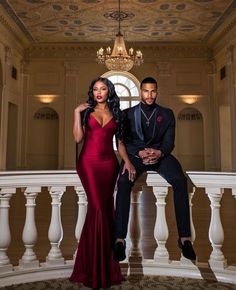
[170, 169]
[124, 187]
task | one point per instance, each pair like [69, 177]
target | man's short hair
[148, 80]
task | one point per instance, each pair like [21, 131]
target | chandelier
[119, 59]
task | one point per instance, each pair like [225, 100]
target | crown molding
[225, 33]
[12, 29]
[84, 51]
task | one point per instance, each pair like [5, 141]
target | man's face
[148, 93]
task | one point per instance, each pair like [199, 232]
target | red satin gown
[97, 168]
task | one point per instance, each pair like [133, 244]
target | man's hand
[149, 155]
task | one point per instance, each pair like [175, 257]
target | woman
[96, 122]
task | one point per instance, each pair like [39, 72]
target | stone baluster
[55, 232]
[161, 232]
[216, 232]
[82, 210]
[5, 234]
[234, 192]
[193, 233]
[29, 235]
[135, 256]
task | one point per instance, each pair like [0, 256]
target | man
[149, 139]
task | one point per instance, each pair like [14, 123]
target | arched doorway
[43, 140]
[190, 139]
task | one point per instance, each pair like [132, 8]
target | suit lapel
[157, 124]
[137, 122]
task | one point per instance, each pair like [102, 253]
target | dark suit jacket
[163, 137]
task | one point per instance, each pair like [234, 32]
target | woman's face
[100, 92]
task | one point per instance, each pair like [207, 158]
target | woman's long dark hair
[113, 102]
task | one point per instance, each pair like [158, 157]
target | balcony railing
[29, 268]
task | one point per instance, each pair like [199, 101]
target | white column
[4, 106]
[5, 234]
[161, 232]
[135, 256]
[55, 233]
[231, 78]
[82, 211]
[216, 232]
[72, 91]
[29, 235]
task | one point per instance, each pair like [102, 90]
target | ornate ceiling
[96, 20]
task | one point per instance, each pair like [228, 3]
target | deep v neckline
[99, 122]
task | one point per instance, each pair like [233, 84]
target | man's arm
[132, 147]
[167, 143]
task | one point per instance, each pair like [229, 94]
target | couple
[145, 138]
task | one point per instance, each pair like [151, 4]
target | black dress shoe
[119, 251]
[187, 249]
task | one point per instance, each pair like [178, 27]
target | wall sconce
[189, 99]
[46, 99]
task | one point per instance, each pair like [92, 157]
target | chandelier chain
[118, 58]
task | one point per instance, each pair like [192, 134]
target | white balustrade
[216, 232]
[55, 232]
[5, 235]
[29, 268]
[29, 235]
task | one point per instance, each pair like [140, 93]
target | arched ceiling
[60, 21]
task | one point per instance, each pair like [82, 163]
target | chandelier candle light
[119, 59]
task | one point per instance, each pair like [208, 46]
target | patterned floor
[147, 282]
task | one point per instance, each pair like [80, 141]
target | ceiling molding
[221, 22]
[12, 28]
[223, 33]
[151, 51]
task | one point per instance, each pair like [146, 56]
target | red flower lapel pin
[159, 119]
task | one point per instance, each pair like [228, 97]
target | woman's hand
[78, 130]
[81, 107]
[131, 170]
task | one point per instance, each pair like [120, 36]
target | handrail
[56, 182]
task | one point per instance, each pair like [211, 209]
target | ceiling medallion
[119, 59]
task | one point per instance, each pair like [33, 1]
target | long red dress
[97, 168]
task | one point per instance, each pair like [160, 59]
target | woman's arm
[78, 129]
[127, 164]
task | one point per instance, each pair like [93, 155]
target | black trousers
[170, 169]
